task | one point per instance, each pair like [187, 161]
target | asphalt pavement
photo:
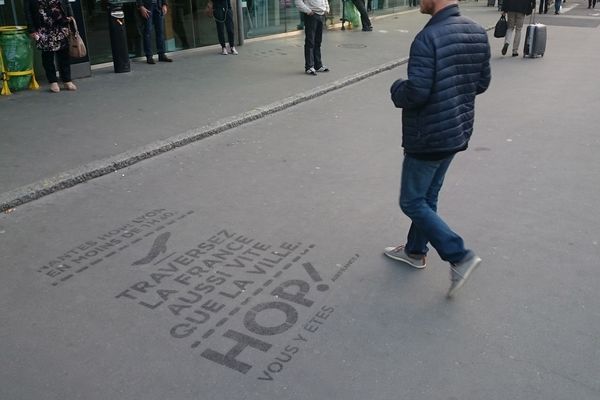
[248, 265]
[54, 141]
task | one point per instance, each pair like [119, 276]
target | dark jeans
[64, 65]
[421, 184]
[313, 35]
[591, 3]
[155, 20]
[224, 19]
[364, 16]
[557, 4]
[543, 6]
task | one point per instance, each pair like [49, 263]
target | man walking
[314, 19]
[449, 65]
[516, 10]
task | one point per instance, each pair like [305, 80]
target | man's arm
[415, 91]
[302, 7]
[486, 74]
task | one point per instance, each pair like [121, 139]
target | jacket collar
[449, 11]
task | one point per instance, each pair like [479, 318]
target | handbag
[501, 27]
[76, 46]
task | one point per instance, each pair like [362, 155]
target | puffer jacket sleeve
[486, 74]
[415, 91]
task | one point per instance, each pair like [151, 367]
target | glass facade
[186, 24]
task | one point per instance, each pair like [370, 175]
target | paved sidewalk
[52, 141]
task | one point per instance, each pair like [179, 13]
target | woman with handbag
[48, 24]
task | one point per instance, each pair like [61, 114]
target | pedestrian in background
[314, 19]
[557, 5]
[223, 15]
[591, 3]
[449, 64]
[48, 25]
[544, 6]
[515, 11]
[364, 15]
[153, 17]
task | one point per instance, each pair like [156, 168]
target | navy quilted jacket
[449, 65]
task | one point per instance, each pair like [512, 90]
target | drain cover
[352, 45]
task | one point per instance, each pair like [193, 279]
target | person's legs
[229, 28]
[310, 26]
[510, 23]
[147, 32]
[49, 67]
[159, 28]
[421, 183]
[64, 64]
[320, 20]
[364, 15]
[557, 4]
[219, 17]
[519, 18]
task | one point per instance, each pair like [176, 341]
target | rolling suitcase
[535, 39]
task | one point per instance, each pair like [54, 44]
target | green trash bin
[17, 55]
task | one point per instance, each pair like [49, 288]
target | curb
[70, 178]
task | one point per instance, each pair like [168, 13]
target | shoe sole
[462, 282]
[417, 266]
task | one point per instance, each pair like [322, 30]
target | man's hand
[34, 35]
[144, 12]
[164, 9]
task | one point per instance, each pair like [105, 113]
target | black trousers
[224, 19]
[591, 3]
[64, 65]
[364, 16]
[313, 35]
[543, 6]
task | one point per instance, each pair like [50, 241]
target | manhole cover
[352, 46]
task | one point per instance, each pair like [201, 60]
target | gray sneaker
[459, 273]
[398, 253]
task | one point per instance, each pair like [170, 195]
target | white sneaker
[323, 69]
[70, 86]
[311, 71]
[224, 51]
[234, 51]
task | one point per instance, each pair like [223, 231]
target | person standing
[449, 65]
[153, 16]
[557, 5]
[364, 15]
[48, 25]
[314, 19]
[223, 15]
[543, 6]
[515, 11]
[591, 3]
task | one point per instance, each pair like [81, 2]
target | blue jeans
[421, 184]
[155, 20]
[557, 4]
